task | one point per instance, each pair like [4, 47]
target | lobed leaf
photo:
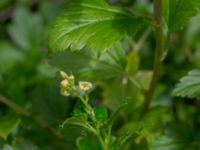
[91, 23]
[85, 65]
[189, 85]
[26, 28]
[180, 12]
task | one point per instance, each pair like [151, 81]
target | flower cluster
[67, 85]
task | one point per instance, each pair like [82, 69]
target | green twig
[22, 111]
[96, 128]
[158, 55]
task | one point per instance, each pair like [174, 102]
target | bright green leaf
[101, 114]
[180, 12]
[7, 124]
[88, 143]
[92, 23]
[189, 85]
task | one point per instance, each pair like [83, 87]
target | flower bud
[71, 78]
[63, 75]
[64, 83]
[64, 92]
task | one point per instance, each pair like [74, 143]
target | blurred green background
[31, 107]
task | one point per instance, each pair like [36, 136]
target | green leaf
[78, 121]
[26, 28]
[123, 141]
[146, 127]
[132, 62]
[88, 142]
[163, 142]
[7, 124]
[189, 85]
[101, 114]
[92, 23]
[9, 56]
[115, 114]
[180, 13]
[118, 90]
[143, 78]
[47, 70]
[178, 136]
[85, 65]
[8, 147]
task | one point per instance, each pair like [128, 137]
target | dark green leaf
[189, 85]
[180, 12]
[115, 114]
[9, 55]
[179, 136]
[92, 23]
[85, 65]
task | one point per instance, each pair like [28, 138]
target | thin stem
[88, 110]
[158, 55]
[14, 106]
[26, 113]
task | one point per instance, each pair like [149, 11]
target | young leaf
[189, 85]
[92, 23]
[88, 142]
[78, 121]
[180, 12]
[7, 124]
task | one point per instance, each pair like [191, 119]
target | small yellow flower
[64, 83]
[63, 75]
[85, 86]
[71, 78]
[64, 92]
